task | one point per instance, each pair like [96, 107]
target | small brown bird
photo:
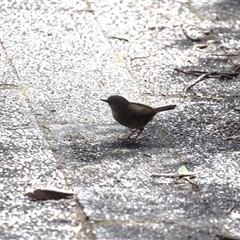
[133, 115]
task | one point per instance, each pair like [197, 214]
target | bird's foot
[131, 139]
[142, 137]
[128, 140]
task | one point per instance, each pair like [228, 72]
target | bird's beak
[104, 100]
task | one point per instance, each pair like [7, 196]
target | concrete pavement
[57, 59]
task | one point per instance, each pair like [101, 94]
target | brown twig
[186, 72]
[230, 209]
[210, 74]
[199, 79]
[226, 237]
[203, 74]
[235, 137]
[226, 54]
[237, 109]
[237, 68]
[119, 38]
[175, 174]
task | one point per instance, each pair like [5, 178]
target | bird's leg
[142, 137]
[131, 139]
[128, 138]
[135, 138]
[132, 133]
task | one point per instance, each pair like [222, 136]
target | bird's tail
[165, 108]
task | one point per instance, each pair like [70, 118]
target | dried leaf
[46, 194]
[202, 46]
[184, 171]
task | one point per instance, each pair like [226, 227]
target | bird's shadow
[146, 146]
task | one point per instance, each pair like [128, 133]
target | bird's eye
[113, 101]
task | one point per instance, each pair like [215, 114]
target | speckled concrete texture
[58, 59]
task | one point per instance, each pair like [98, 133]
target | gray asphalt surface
[58, 59]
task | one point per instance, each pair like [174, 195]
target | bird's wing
[136, 110]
